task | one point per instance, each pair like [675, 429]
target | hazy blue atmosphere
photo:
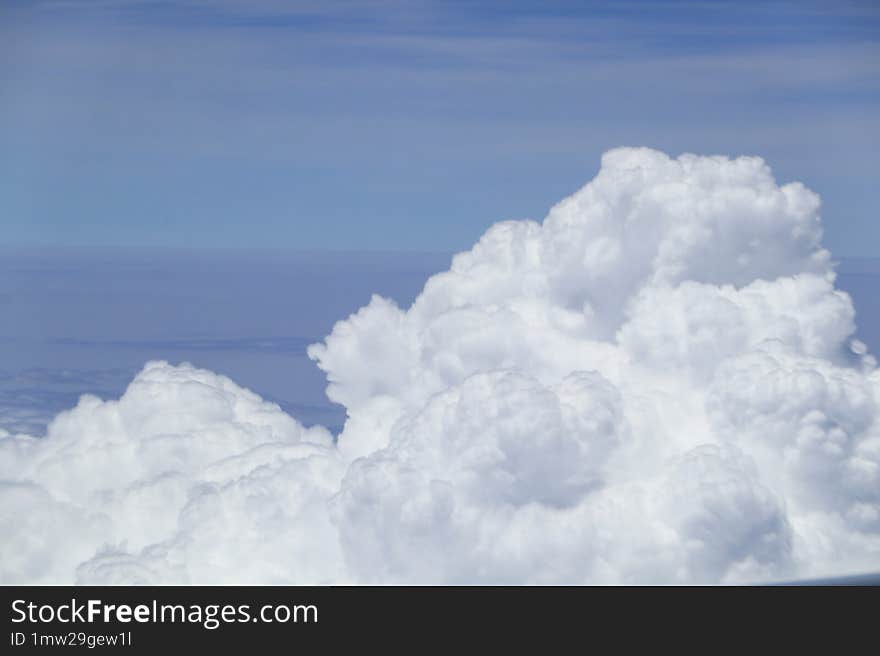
[86, 321]
[410, 125]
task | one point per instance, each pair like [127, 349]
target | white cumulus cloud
[657, 383]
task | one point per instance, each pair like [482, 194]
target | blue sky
[410, 125]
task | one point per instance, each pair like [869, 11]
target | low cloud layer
[658, 383]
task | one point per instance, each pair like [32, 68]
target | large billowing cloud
[658, 383]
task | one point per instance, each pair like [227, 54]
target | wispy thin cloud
[396, 100]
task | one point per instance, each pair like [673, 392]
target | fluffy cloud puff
[187, 477]
[655, 384]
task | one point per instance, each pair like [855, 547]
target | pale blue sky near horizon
[409, 126]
